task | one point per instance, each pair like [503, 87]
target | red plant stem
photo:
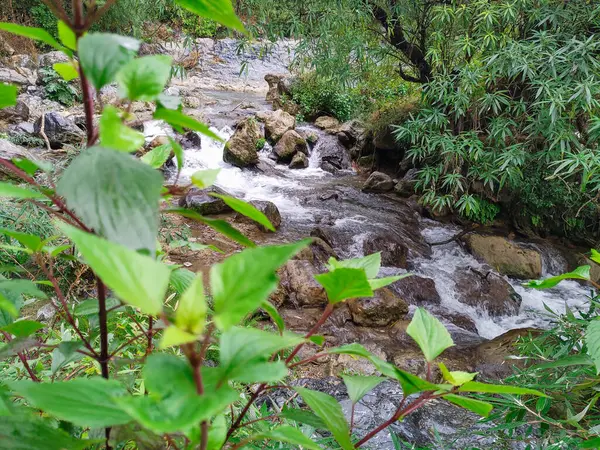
[352, 418]
[102, 317]
[149, 346]
[145, 333]
[273, 416]
[309, 359]
[24, 361]
[318, 325]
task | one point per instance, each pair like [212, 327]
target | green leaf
[359, 386]
[32, 166]
[205, 178]
[474, 386]
[173, 336]
[342, 284]
[378, 283]
[429, 333]
[303, 416]
[179, 155]
[167, 375]
[33, 433]
[219, 225]
[590, 443]
[243, 347]
[8, 95]
[65, 353]
[23, 328]
[115, 195]
[66, 70]
[370, 263]
[158, 156]
[8, 190]
[287, 434]
[581, 273]
[217, 434]
[102, 55]
[67, 36]
[16, 346]
[595, 256]
[117, 136]
[136, 279]
[477, 406]
[191, 312]
[592, 340]
[90, 306]
[86, 402]
[261, 372]
[179, 120]
[218, 10]
[37, 34]
[233, 300]
[246, 209]
[181, 279]
[271, 310]
[145, 78]
[456, 378]
[330, 412]
[31, 241]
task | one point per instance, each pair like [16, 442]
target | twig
[23, 359]
[43, 133]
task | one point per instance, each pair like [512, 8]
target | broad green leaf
[353, 349]
[242, 347]
[167, 375]
[66, 70]
[65, 353]
[477, 406]
[8, 95]
[219, 225]
[592, 340]
[145, 78]
[378, 283]
[181, 279]
[590, 443]
[191, 311]
[31, 241]
[16, 346]
[234, 299]
[66, 35]
[32, 166]
[158, 156]
[102, 55]
[21, 287]
[358, 386]
[37, 34]
[246, 209]
[218, 10]
[303, 416]
[115, 195]
[180, 121]
[261, 372]
[317, 339]
[581, 273]
[595, 256]
[8, 190]
[370, 263]
[136, 279]
[271, 310]
[431, 335]
[90, 306]
[456, 378]
[475, 386]
[117, 136]
[330, 412]
[23, 328]
[217, 433]
[173, 336]
[342, 284]
[205, 178]
[179, 155]
[287, 434]
[86, 402]
[33, 433]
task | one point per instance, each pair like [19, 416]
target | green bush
[57, 89]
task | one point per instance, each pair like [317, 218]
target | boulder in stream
[327, 123]
[416, 290]
[60, 130]
[289, 145]
[378, 182]
[269, 209]
[299, 286]
[334, 156]
[393, 250]
[202, 202]
[488, 292]
[382, 310]
[240, 149]
[276, 123]
[507, 257]
[299, 161]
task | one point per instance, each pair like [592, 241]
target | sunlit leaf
[173, 336]
[218, 10]
[592, 340]
[66, 35]
[358, 386]
[477, 406]
[8, 95]
[245, 209]
[23, 328]
[192, 308]
[370, 263]
[66, 70]
[117, 136]
[456, 378]
[581, 273]
[429, 333]
[205, 178]
[145, 78]
[474, 386]
[343, 284]
[37, 34]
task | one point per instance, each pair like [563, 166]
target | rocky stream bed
[304, 178]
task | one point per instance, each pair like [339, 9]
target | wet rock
[299, 161]
[393, 250]
[334, 156]
[405, 188]
[240, 149]
[269, 209]
[300, 287]
[351, 132]
[324, 234]
[329, 124]
[191, 102]
[493, 357]
[507, 257]
[51, 58]
[60, 130]
[200, 201]
[276, 123]
[366, 162]
[318, 253]
[488, 292]
[15, 114]
[278, 86]
[191, 139]
[384, 139]
[310, 136]
[378, 182]
[417, 290]
[382, 310]
[290, 144]
[22, 77]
